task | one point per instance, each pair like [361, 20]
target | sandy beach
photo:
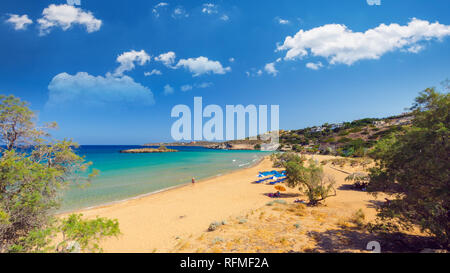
[154, 223]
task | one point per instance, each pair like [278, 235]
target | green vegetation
[310, 179]
[281, 159]
[33, 170]
[348, 139]
[413, 168]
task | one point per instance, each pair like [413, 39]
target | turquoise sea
[124, 176]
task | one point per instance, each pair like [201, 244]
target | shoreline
[177, 219]
[144, 195]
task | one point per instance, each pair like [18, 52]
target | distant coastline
[161, 149]
[236, 145]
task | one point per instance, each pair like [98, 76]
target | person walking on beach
[193, 180]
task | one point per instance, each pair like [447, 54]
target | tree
[413, 167]
[311, 179]
[280, 160]
[17, 123]
[33, 171]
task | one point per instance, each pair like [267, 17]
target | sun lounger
[262, 180]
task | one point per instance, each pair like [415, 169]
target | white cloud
[64, 16]
[415, 48]
[19, 22]
[168, 90]
[186, 87]
[314, 66]
[224, 17]
[179, 12]
[231, 60]
[202, 65]
[204, 85]
[209, 8]
[167, 59]
[270, 69]
[157, 7]
[86, 89]
[254, 73]
[128, 59]
[153, 72]
[162, 4]
[283, 21]
[338, 44]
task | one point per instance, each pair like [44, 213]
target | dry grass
[276, 228]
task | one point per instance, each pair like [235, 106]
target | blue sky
[89, 67]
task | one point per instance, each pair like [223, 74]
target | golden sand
[157, 222]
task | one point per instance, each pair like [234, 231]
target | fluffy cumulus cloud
[19, 22]
[168, 59]
[224, 17]
[209, 8]
[128, 60]
[314, 66]
[270, 69]
[340, 45]
[89, 90]
[202, 65]
[64, 16]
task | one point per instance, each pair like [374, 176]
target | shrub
[217, 240]
[360, 180]
[358, 218]
[214, 225]
[31, 181]
[413, 168]
[280, 159]
[311, 180]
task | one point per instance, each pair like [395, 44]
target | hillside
[345, 139]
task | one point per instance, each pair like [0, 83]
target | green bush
[311, 179]
[31, 184]
[413, 168]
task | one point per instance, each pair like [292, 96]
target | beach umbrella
[280, 188]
